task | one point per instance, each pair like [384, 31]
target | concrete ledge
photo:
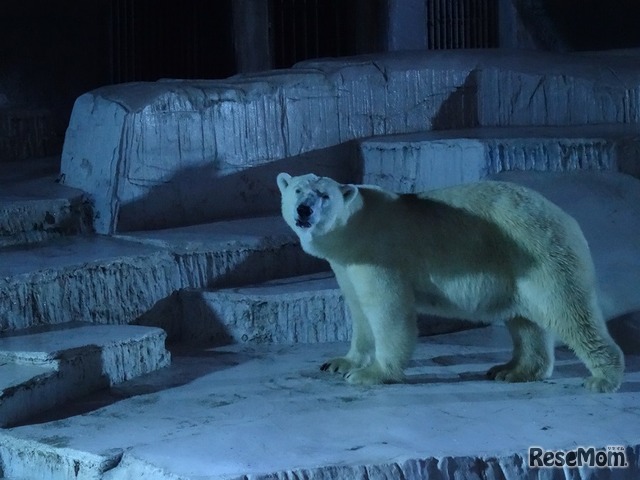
[40, 209]
[49, 458]
[98, 279]
[436, 159]
[500, 467]
[47, 368]
[169, 153]
[117, 280]
[266, 412]
[303, 309]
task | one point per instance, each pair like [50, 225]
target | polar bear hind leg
[532, 353]
[570, 312]
[591, 342]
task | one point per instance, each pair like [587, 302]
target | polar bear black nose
[304, 211]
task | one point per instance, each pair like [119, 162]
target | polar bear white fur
[488, 251]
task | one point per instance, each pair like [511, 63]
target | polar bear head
[313, 205]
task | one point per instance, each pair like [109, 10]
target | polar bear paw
[339, 365]
[372, 375]
[516, 374]
[365, 376]
[601, 384]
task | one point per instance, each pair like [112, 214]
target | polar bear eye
[298, 191]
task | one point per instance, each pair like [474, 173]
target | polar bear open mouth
[303, 219]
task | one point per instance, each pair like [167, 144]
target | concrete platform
[436, 159]
[41, 369]
[301, 309]
[168, 153]
[114, 280]
[37, 209]
[91, 278]
[265, 412]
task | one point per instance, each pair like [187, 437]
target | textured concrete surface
[301, 309]
[305, 309]
[428, 160]
[265, 412]
[93, 279]
[166, 153]
[113, 280]
[37, 209]
[43, 369]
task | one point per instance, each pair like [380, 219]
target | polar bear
[488, 251]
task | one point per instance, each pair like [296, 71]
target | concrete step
[117, 280]
[267, 411]
[44, 368]
[307, 309]
[37, 209]
[301, 309]
[310, 309]
[123, 140]
[436, 159]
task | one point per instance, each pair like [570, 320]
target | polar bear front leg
[388, 304]
[533, 355]
[362, 342]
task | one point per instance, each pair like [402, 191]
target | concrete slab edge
[88, 292]
[502, 467]
[413, 164]
[316, 315]
[136, 357]
[47, 459]
[36, 219]
[82, 370]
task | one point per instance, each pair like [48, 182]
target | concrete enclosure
[170, 153]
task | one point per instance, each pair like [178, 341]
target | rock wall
[171, 153]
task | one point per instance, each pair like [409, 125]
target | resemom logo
[614, 456]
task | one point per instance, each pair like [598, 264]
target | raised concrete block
[34, 210]
[97, 279]
[187, 146]
[307, 309]
[558, 89]
[420, 162]
[41, 370]
[163, 154]
[49, 459]
[436, 159]
[302, 309]
[116, 280]
[257, 411]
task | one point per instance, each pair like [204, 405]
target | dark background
[52, 51]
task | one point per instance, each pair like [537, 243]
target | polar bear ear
[348, 192]
[283, 181]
